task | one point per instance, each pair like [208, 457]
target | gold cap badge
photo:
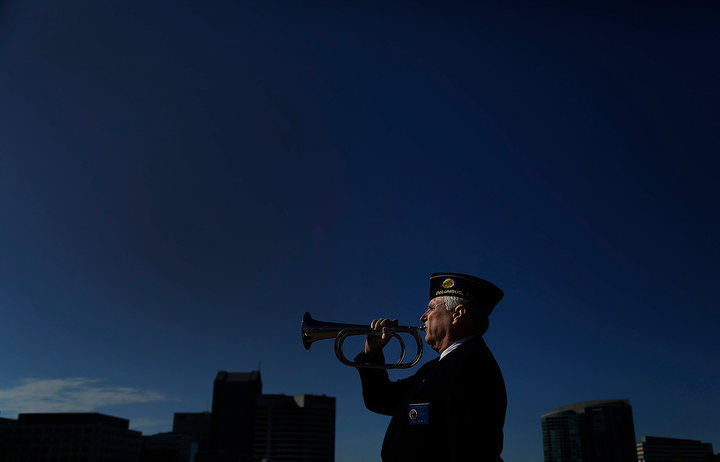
[448, 283]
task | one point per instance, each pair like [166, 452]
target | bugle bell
[314, 330]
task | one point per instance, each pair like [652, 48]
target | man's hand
[374, 343]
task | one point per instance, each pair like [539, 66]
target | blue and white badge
[419, 414]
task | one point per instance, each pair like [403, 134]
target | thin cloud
[72, 394]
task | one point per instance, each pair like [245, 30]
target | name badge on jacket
[419, 414]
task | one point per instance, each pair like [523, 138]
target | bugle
[314, 330]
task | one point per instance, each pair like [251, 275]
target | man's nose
[423, 318]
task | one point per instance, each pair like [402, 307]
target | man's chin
[429, 341]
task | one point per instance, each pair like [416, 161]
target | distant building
[4, 421]
[294, 428]
[235, 395]
[195, 424]
[168, 447]
[591, 431]
[247, 426]
[69, 437]
[657, 449]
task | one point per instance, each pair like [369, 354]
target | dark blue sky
[180, 182]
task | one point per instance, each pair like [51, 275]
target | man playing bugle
[453, 407]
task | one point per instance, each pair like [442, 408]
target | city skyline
[244, 425]
[279, 422]
[180, 182]
[578, 409]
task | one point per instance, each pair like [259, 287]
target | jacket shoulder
[475, 361]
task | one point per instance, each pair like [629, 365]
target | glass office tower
[590, 431]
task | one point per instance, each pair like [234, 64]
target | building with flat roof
[658, 449]
[4, 421]
[247, 426]
[590, 431]
[294, 428]
[69, 437]
[235, 395]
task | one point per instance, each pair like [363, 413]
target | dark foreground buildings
[197, 425]
[247, 426]
[591, 431]
[656, 449]
[244, 426]
[294, 428]
[68, 437]
[168, 447]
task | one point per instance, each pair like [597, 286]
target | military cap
[483, 293]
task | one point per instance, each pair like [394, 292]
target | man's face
[437, 322]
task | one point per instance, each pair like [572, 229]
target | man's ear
[460, 312]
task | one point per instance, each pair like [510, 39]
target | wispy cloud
[71, 394]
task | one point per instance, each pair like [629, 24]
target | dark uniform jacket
[450, 410]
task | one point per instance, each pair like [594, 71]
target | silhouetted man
[453, 408]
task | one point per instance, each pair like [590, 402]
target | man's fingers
[381, 325]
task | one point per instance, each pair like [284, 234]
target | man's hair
[477, 314]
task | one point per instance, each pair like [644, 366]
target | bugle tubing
[313, 330]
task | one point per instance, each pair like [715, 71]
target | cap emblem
[413, 414]
[448, 283]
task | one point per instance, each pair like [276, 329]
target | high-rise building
[246, 425]
[235, 395]
[590, 431]
[69, 437]
[657, 449]
[298, 428]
